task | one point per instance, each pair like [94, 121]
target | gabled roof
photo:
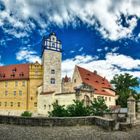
[14, 72]
[98, 83]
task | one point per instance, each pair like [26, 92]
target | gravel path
[13, 132]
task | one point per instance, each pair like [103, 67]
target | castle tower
[51, 60]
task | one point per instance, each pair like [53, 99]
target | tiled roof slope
[14, 72]
[98, 83]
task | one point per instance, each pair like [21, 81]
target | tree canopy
[124, 85]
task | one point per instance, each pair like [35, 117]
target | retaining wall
[108, 124]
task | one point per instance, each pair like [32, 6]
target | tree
[78, 109]
[124, 84]
[98, 107]
[58, 111]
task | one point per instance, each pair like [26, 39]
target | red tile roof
[98, 83]
[14, 72]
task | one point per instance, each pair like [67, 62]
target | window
[52, 81]
[18, 104]
[0, 103]
[74, 80]
[20, 93]
[11, 104]
[53, 44]
[44, 106]
[5, 103]
[109, 98]
[6, 84]
[52, 71]
[105, 98]
[23, 83]
[14, 93]
[35, 104]
[16, 83]
[6, 93]
[49, 107]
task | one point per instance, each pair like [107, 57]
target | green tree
[58, 111]
[98, 107]
[124, 84]
[78, 109]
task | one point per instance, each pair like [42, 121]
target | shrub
[98, 107]
[58, 111]
[26, 114]
[78, 109]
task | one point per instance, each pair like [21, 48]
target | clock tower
[51, 61]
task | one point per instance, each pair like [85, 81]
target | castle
[35, 87]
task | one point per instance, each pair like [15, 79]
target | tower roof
[98, 83]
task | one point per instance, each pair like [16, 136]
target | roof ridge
[15, 65]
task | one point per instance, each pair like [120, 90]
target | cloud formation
[27, 55]
[113, 63]
[23, 16]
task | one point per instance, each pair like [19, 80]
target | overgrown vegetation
[97, 107]
[124, 86]
[26, 114]
[78, 109]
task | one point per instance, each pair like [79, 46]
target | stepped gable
[98, 83]
[14, 72]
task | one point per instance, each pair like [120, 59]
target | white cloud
[104, 15]
[1, 64]
[112, 64]
[115, 49]
[27, 55]
[99, 50]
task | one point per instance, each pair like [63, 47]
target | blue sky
[102, 35]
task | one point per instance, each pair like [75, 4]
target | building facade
[35, 87]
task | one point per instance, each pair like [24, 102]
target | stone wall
[107, 124]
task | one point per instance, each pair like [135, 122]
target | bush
[98, 107]
[58, 111]
[26, 114]
[78, 109]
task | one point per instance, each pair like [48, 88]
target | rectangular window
[23, 83]
[6, 84]
[52, 71]
[11, 104]
[35, 104]
[5, 103]
[14, 93]
[0, 103]
[18, 104]
[109, 98]
[16, 83]
[20, 93]
[52, 81]
[105, 98]
[6, 93]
